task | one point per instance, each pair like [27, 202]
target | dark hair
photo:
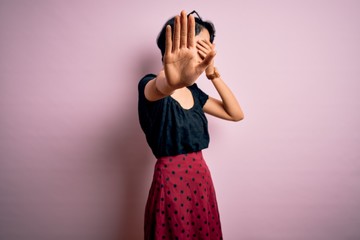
[199, 25]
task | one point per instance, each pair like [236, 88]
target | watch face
[213, 75]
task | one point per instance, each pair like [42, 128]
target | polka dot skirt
[182, 202]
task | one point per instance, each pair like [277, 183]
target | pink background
[74, 163]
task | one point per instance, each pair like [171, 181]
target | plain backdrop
[74, 163]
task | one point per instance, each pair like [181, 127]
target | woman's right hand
[181, 64]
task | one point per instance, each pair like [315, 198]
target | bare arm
[228, 107]
[181, 67]
[158, 88]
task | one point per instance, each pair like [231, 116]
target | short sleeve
[143, 102]
[142, 84]
[201, 96]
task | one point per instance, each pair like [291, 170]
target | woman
[182, 201]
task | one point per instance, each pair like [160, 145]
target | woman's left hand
[204, 47]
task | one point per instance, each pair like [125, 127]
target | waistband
[183, 156]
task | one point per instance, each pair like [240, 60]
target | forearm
[229, 101]
[158, 88]
[168, 85]
[162, 85]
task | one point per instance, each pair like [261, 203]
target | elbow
[238, 118]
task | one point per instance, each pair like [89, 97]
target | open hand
[181, 64]
[204, 47]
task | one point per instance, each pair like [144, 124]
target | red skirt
[182, 202]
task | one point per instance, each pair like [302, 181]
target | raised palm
[181, 65]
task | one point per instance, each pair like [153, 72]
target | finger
[183, 33]
[204, 46]
[202, 54]
[176, 38]
[168, 40]
[191, 31]
[207, 60]
[207, 43]
[201, 44]
[199, 47]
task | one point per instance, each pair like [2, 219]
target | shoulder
[199, 94]
[195, 88]
[142, 83]
[144, 80]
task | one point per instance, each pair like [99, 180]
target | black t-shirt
[170, 129]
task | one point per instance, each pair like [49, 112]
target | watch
[215, 74]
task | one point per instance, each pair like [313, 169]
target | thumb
[207, 60]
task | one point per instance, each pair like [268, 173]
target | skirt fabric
[182, 202]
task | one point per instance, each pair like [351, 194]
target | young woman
[182, 202]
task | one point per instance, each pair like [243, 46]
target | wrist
[213, 75]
